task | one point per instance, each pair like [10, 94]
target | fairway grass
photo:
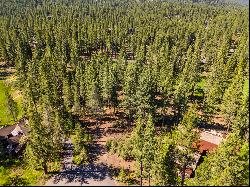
[5, 118]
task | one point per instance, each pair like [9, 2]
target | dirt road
[96, 174]
[103, 165]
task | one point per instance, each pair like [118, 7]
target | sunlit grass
[6, 119]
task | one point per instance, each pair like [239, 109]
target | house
[190, 167]
[209, 141]
[10, 136]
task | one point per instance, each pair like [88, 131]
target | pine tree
[114, 88]
[95, 102]
[164, 167]
[187, 139]
[67, 93]
[138, 138]
[46, 136]
[185, 84]
[232, 153]
[77, 106]
[215, 85]
[107, 82]
[232, 98]
[241, 121]
[129, 90]
[80, 141]
[148, 144]
[145, 93]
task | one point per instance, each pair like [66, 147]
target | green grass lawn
[6, 119]
[3, 115]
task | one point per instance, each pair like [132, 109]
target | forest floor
[102, 131]
[92, 174]
[103, 167]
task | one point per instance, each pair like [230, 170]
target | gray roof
[5, 131]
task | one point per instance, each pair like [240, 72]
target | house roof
[7, 130]
[14, 129]
[14, 139]
[210, 137]
[206, 146]
[188, 171]
[25, 129]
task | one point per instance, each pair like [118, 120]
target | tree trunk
[45, 168]
[192, 93]
[178, 115]
[183, 174]
[141, 172]
[129, 117]
[228, 125]
[164, 114]
[175, 114]
[149, 179]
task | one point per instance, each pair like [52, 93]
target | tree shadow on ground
[96, 133]
[119, 130]
[212, 126]
[97, 172]
[87, 123]
[121, 115]
[3, 75]
[165, 120]
[107, 118]
[95, 150]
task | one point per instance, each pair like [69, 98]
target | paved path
[96, 174]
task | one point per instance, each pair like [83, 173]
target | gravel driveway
[97, 174]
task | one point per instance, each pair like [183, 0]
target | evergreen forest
[162, 70]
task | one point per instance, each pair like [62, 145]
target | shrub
[54, 166]
[81, 158]
[122, 147]
[125, 149]
[114, 146]
[16, 180]
[122, 177]
[119, 124]
[126, 177]
[33, 176]
[108, 145]
[80, 140]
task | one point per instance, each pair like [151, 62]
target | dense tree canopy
[78, 57]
